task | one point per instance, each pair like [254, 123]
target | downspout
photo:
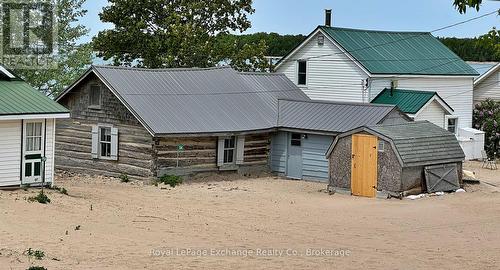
[22, 152]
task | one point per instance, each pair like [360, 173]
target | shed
[27, 130]
[392, 158]
[307, 128]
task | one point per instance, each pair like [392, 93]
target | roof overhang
[446, 108]
[487, 74]
[214, 134]
[328, 37]
[111, 88]
[34, 116]
[363, 129]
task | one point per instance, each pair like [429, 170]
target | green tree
[176, 33]
[483, 48]
[71, 58]
[462, 5]
[486, 117]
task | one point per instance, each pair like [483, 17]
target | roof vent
[328, 17]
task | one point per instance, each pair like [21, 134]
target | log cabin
[150, 122]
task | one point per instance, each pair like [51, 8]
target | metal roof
[482, 67]
[408, 101]
[19, 98]
[213, 100]
[326, 116]
[417, 143]
[411, 53]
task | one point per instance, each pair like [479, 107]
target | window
[296, 139]
[95, 96]
[33, 136]
[105, 142]
[452, 125]
[321, 40]
[229, 147]
[302, 74]
[381, 146]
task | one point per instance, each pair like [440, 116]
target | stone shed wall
[388, 169]
[340, 164]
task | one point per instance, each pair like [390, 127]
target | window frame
[233, 149]
[299, 73]
[381, 146]
[91, 91]
[292, 139]
[447, 124]
[33, 137]
[101, 142]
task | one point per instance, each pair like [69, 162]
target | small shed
[394, 159]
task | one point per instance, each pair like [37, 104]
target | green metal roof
[17, 97]
[409, 53]
[408, 101]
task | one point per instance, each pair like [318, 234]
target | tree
[462, 5]
[486, 117]
[483, 48]
[176, 33]
[71, 58]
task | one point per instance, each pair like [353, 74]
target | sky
[302, 16]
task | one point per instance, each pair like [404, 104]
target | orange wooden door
[364, 165]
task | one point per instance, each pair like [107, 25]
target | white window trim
[233, 148]
[42, 146]
[381, 143]
[456, 122]
[297, 73]
[100, 142]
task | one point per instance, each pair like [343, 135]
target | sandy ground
[246, 224]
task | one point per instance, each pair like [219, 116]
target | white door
[294, 158]
[33, 152]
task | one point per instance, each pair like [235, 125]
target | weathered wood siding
[200, 153]
[74, 136]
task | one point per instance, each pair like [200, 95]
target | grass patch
[37, 254]
[124, 178]
[171, 180]
[60, 189]
[41, 198]
[36, 268]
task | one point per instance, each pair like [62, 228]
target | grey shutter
[220, 152]
[114, 143]
[240, 149]
[95, 141]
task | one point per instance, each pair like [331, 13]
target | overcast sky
[302, 16]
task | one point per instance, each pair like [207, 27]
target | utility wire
[398, 40]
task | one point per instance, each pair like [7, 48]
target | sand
[263, 223]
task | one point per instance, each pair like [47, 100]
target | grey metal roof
[179, 101]
[326, 116]
[482, 67]
[422, 143]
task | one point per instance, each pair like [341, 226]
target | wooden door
[364, 165]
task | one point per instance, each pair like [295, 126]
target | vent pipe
[328, 17]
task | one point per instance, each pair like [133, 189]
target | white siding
[433, 113]
[489, 88]
[49, 150]
[333, 76]
[10, 152]
[456, 91]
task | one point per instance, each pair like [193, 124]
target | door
[294, 157]
[33, 152]
[364, 165]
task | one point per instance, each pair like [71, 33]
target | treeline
[483, 48]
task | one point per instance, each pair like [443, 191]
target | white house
[355, 65]
[27, 132]
[487, 84]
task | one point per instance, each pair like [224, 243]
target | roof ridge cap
[161, 69]
[340, 103]
[376, 31]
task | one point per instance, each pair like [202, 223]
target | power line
[398, 40]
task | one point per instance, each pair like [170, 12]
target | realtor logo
[28, 34]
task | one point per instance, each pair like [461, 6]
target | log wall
[74, 136]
